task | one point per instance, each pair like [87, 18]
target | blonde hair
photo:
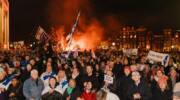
[101, 95]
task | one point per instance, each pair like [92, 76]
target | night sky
[26, 15]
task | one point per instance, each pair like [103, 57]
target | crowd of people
[106, 75]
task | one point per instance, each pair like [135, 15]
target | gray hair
[34, 71]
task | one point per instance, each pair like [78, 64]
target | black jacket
[53, 96]
[118, 70]
[93, 79]
[143, 89]
[17, 90]
[79, 84]
[73, 96]
[122, 85]
[157, 94]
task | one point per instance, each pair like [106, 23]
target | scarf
[69, 90]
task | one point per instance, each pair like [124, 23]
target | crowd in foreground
[107, 75]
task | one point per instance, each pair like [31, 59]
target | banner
[130, 52]
[108, 79]
[158, 57]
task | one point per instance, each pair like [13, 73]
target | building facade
[171, 40]
[165, 41]
[131, 37]
[4, 24]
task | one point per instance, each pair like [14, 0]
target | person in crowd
[33, 87]
[53, 64]
[176, 91]
[159, 75]
[88, 94]
[7, 77]
[170, 65]
[77, 76]
[72, 92]
[106, 95]
[33, 62]
[109, 81]
[62, 80]
[2, 84]
[138, 89]
[147, 73]
[52, 91]
[174, 76]
[26, 73]
[99, 74]
[39, 65]
[85, 73]
[24, 62]
[134, 68]
[122, 83]
[14, 91]
[47, 74]
[74, 64]
[162, 91]
[125, 61]
[89, 76]
[118, 68]
[67, 70]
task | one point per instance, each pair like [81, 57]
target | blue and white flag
[69, 37]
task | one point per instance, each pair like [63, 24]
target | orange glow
[62, 14]
[88, 38]
[5, 4]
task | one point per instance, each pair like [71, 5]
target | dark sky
[26, 15]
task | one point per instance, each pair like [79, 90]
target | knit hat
[176, 89]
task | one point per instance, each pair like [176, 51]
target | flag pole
[72, 31]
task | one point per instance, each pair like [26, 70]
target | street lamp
[176, 36]
[147, 47]
[31, 45]
[130, 36]
[124, 36]
[5, 46]
[11, 45]
[113, 43]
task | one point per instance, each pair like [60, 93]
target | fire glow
[62, 14]
[89, 37]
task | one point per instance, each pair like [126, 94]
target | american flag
[41, 35]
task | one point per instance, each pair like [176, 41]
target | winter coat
[33, 90]
[142, 88]
[17, 90]
[52, 96]
[157, 94]
[79, 83]
[93, 79]
[122, 85]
